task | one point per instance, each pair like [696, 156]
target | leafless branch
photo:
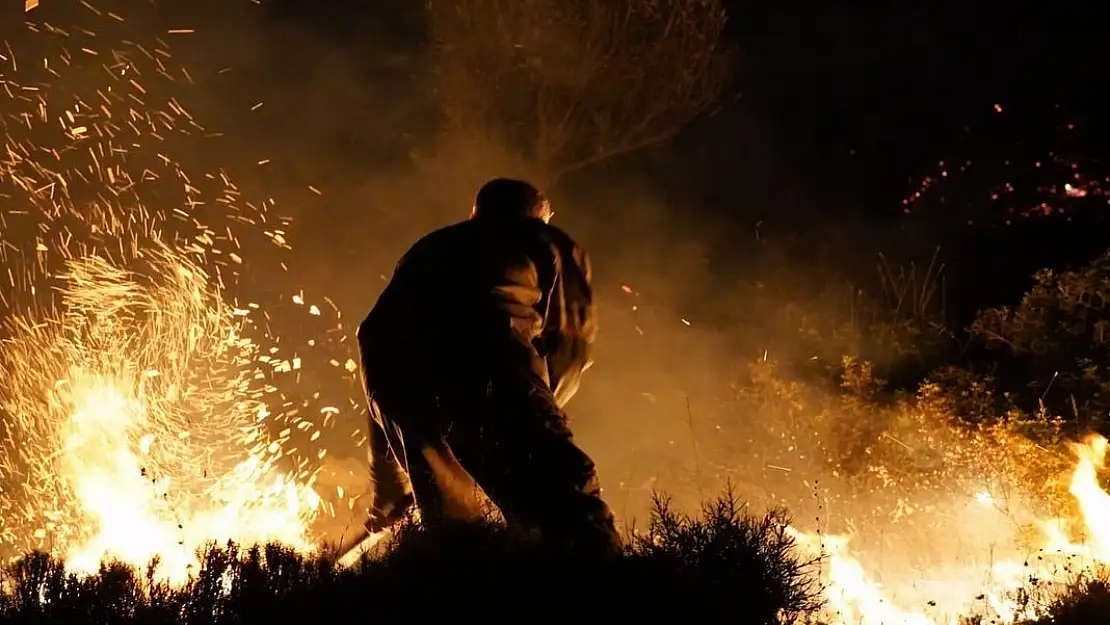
[567, 83]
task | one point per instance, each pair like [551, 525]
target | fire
[137, 424]
[999, 590]
[128, 512]
[1094, 502]
[136, 405]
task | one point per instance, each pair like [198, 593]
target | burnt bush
[729, 553]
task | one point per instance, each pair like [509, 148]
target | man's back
[462, 290]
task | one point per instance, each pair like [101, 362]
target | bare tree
[561, 84]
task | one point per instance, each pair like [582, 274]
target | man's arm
[521, 295]
[571, 325]
[549, 300]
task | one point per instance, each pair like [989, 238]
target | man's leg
[393, 490]
[458, 498]
[525, 458]
[443, 489]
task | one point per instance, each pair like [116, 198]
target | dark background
[840, 113]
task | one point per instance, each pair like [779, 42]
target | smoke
[341, 132]
[354, 154]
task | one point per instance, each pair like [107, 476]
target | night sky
[838, 110]
[837, 115]
[840, 113]
[845, 104]
[861, 100]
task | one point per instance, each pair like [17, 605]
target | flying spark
[137, 408]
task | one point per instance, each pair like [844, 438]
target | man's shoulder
[566, 246]
[438, 241]
[556, 234]
[446, 235]
[530, 238]
[552, 236]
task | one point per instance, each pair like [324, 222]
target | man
[468, 357]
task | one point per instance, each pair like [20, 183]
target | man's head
[507, 198]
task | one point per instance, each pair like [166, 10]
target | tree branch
[569, 83]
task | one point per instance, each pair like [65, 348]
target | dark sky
[845, 100]
[855, 100]
[841, 108]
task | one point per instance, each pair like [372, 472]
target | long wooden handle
[362, 544]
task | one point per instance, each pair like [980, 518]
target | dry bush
[561, 84]
[728, 566]
[1055, 344]
[732, 548]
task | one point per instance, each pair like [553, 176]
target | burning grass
[139, 414]
[725, 565]
[101, 402]
[922, 517]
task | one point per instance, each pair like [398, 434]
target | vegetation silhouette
[726, 565]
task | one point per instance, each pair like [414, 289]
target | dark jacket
[472, 299]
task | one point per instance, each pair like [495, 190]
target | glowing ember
[135, 406]
[135, 428]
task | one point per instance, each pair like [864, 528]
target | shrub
[1055, 344]
[734, 553]
[728, 566]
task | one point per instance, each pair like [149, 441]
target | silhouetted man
[469, 356]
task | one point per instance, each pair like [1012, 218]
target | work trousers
[508, 440]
